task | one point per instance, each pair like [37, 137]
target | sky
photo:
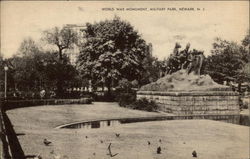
[162, 26]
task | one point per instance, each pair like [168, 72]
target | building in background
[74, 52]
[150, 49]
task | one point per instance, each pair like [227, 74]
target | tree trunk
[109, 87]
[60, 55]
[60, 79]
[239, 87]
[59, 88]
[108, 84]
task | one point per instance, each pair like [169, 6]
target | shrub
[11, 104]
[244, 102]
[125, 99]
[125, 93]
[104, 96]
[144, 104]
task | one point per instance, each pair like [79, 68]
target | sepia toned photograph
[125, 80]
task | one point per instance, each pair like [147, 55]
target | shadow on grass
[30, 156]
[20, 134]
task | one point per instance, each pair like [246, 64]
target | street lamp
[5, 82]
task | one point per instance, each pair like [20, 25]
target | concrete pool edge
[151, 118]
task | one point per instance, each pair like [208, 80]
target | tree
[33, 70]
[63, 39]
[66, 78]
[113, 50]
[152, 70]
[26, 66]
[28, 47]
[227, 61]
[246, 41]
[245, 73]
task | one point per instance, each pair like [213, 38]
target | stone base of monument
[189, 94]
[194, 103]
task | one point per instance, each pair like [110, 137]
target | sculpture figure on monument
[183, 56]
[173, 61]
[176, 49]
[192, 61]
[195, 61]
[178, 59]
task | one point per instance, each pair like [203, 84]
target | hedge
[11, 104]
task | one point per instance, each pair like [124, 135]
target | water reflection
[234, 119]
[93, 124]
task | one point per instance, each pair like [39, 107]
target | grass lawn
[210, 139]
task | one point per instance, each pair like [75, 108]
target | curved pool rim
[150, 118]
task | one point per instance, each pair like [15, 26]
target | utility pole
[5, 81]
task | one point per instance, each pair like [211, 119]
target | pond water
[234, 119]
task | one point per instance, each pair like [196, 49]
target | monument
[184, 91]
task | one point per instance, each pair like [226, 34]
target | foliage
[227, 62]
[246, 70]
[152, 70]
[125, 94]
[28, 47]
[113, 50]
[125, 99]
[11, 104]
[33, 70]
[143, 104]
[105, 96]
[124, 85]
[64, 38]
[26, 70]
[246, 41]
[244, 102]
